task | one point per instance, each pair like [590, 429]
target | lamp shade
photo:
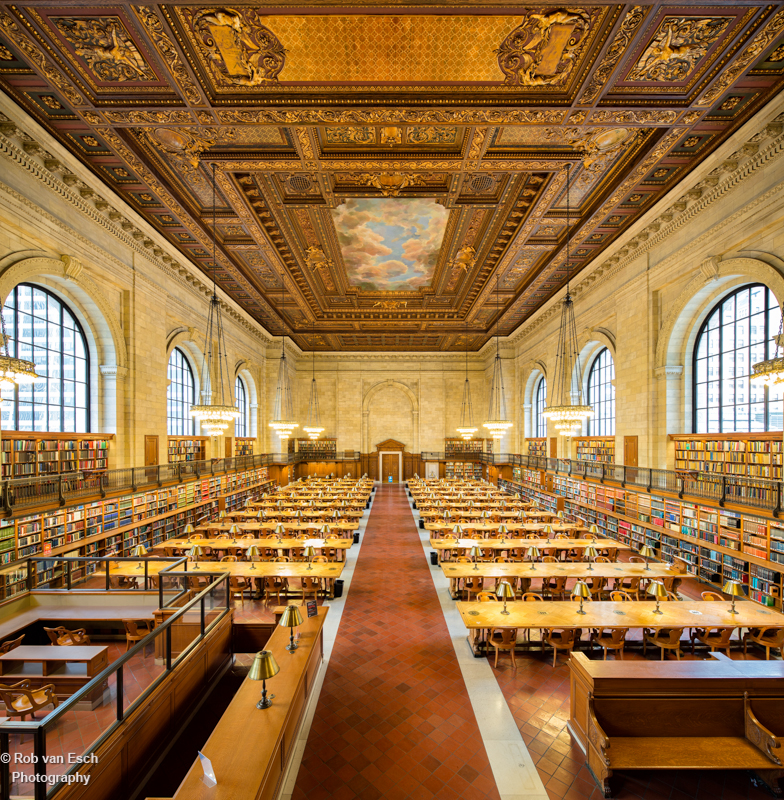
[581, 590]
[734, 588]
[457, 529]
[139, 551]
[309, 552]
[560, 515]
[475, 552]
[547, 529]
[646, 551]
[252, 551]
[593, 529]
[505, 590]
[503, 529]
[221, 515]
[532, 553]
[279, 528]
[591, 551]
[656, 589]
[324, 529]
[195, 552]
[234, 529]
[188, 529]
[291, 617]
[264, 666]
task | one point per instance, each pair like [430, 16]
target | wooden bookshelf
[458, 447]
[752, 455]
[114, 526]
[24, 454]
[715, 543]
[463, 469]
[596, 448]
[537, 447]
[187, 448]
[243, 446]
[318, 449]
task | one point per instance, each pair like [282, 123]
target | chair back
[486, 597]
[230, 559]
[619, 597]
[11, 644]
[131, 627]
[508, 636]
[711, 596]
[531, 597]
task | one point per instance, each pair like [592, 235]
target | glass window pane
[180, 395]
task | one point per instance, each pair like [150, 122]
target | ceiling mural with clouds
[391, 244]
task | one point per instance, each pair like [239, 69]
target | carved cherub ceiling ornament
[464, 259]
[390, 183]
[244, 52]
[542, 49]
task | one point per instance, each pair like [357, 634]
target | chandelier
[214, 418]
[467, 429]
[771, 371]
[567, 411]
[313, 427]
[283, 421]
[497, 423]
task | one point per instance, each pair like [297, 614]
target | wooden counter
[250, 748]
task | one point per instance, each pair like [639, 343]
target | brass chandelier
[214, 418]
[497, 423]
[567, 411]
[771, 371]
[466, 428]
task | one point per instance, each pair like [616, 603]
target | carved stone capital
[710, 268]
[113, 372]
[72, 267]
[668, 373]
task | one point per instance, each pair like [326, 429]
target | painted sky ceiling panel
[472, 115]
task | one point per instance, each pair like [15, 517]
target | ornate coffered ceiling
[403, 170]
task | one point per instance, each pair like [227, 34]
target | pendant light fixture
[567, 410]
[497, 423]
[283, 422]
[215, 417]
[467, 429]
[313, 427]
[770, 372]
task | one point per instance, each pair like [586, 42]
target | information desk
[714, 714]
[480, 617]
[68, 668]
[250, 748]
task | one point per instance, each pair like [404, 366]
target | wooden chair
[64, 638]
[10, 644]
[486, 597]
[229, 559]
[531, 597]
[473, 585]
[560, 639]
[601, 560]
[135, 631]
[664, 639]
[713, 637]
[20, 700]
[596, 585]
[630, 586]
[769, 638]
[609, 639]
[711, 596]
[555, 586]
[504, 639]
[636, 560]
[237, 587]
[274, 585]
[310, 586]
[281, 559]
[619, 597]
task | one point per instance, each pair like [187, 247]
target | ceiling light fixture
[568, 416]
[215, 417]
[771, 371]
[313, 427]
[466, 428]
[283, 421]
[497, 423]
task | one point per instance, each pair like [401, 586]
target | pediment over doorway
[390, 444]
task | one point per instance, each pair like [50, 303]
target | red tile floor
[393, 719]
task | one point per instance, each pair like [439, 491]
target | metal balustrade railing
[701, 486]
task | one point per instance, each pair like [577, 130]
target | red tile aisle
[393, 719]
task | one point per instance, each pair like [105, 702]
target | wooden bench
[715, 714]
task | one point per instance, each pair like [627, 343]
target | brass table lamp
[234, 530]
[594, 529]
[582, 591]
[734, 588]
[656, 589]
[291, 619]
[251, 553]
[503, 530]
[262, 669]
[309, 552]
[194, 554]
[475, 553]
[458, 529]
[646, 551]
[591, 552]
[139, 552]
[505, 590]
[188, 530]
[533, 554]
[279, 529]
[221, 515]
[324, 530]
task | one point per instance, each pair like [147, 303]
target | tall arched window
[540, 401]
[737, 334]
[241, 401]
[180, 396]
[42, 329]
[601, 395]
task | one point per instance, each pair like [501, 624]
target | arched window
[737, 334]
[180, 396]
[601, 395]
[540, 401]
[241, 401]
[42, 329]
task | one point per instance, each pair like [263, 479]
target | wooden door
[390, 466]
[630, 451]
[554, 447]
[150, 451]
